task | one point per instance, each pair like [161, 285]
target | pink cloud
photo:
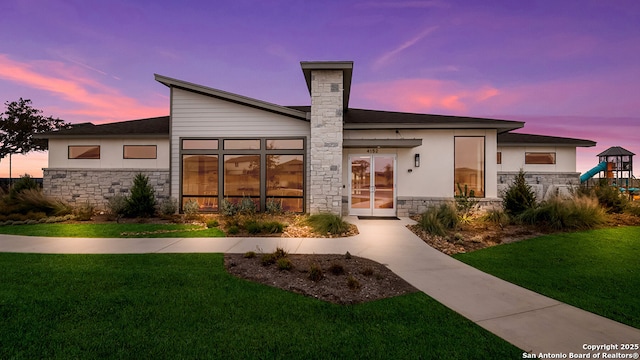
[87, 97]
[422, 96]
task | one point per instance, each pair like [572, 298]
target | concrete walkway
[530, 321]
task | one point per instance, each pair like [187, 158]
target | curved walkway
[528, 320]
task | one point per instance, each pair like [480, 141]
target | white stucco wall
[196, 115]
[513, 159]
[434, 177]
[111, 154]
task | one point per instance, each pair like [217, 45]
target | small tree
[18, 125]
[142, 201]
[519, 196]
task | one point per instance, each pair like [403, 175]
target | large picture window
[469, 165]
[264, 170]
[84, 152]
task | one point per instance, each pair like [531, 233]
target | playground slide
[589, 174]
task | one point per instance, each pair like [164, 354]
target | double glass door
[372, 185]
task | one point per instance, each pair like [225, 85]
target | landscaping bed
[341, 279]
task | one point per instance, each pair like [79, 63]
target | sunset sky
[568, 68]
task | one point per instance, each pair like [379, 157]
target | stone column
[325, 188]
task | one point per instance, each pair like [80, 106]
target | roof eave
[93, 136]
[501, 128]
[347, 73]
[585, 144]
[224, 95]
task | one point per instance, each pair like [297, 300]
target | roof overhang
[101, 136]
[501, 128]
[347, 72]
[224, 95]
[381, 143]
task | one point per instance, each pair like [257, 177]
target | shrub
[608, 196]
[315, 272]
[284, 264]
[519, 196]
[142, 201]
[272, 227]
[213, 223]
[233, 230]
[280, 253]
[250, 255]
[328, 224]
[227, 208]
[465, 201]
[273, 207]
[84, 212]
[117, 206]
[268, 259]
[191, 208]
[437, 220]
[368, 271]
[336, 268]
[496, 216]
[168, 206]
[33, 200]
[579, 212]
[26, 182]
[253, 227]
[353, 283]
[247, 206]
[633, 209]
[347, 255]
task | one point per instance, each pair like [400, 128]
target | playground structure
[616, 163]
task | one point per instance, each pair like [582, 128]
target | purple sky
[568, 68]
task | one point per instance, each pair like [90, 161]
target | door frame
[372, 211]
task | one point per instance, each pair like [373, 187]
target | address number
[372, 151]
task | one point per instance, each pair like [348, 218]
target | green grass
[109, 230]
[167, 306]
[597, 270]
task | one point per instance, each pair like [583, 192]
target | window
[469, 165]
[262, 170]
[197, 144]
[537, 158]
[285, 175]
[200, 180]
[84, 152]
[499, 157]
[140, 151]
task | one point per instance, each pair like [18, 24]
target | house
[326, 157]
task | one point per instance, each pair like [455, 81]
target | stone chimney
[329, 85]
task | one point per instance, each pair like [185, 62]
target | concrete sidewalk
[530, 321]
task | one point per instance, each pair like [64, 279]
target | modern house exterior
[326, 157]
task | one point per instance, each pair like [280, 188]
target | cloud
[422, 96]
[387, 57]
[83, 96]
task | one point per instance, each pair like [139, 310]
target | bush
[496, 216]
[273, 207]
[247, 206]
[33, 200]
[519, 197]
[233, 230]
[272, 227]
[280, 253]
[168, 206]
[284, 264]
[465, 201]
[142, 201]
[268, 259]
[577, 213]
[213, 223]
[315, 272]
[117, 206]
[253, 227]
[328, 224]
[608, 196]
[191, 208]
[437, 220]
[250, 255]
[336, 269]
[84, 212]
[227, 208]
[353, 283]
[25, 182]
[368, 271]
[632, 209]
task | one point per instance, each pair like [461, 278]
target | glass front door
[372, 185]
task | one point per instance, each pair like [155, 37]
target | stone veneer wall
[325, 180]
[544, 184]
[96, 186]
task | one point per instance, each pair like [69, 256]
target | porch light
[417, 160]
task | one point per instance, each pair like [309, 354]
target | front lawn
[598, 270]
[111, 230]
[167, 306]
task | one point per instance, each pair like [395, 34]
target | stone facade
[544, 184]
[96, 186]
[325, 178]
[409, 206]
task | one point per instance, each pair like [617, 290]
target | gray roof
[376, 119]
[616, 151]
[150, 127]
[516, 139]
